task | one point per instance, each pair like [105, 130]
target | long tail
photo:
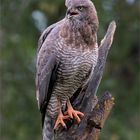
[48, 128]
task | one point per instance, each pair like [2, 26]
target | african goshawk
[67, 55]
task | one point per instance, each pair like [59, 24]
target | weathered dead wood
[95, 111]
[97, 118]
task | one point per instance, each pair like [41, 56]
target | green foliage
[19, 115]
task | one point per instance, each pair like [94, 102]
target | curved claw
[73, 113]
[60, 120]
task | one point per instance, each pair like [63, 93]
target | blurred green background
[21, 23]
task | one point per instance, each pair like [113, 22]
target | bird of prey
[66, 57]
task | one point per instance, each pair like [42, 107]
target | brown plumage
[67, 55]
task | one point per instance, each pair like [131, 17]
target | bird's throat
[83, 31]
[77, 33]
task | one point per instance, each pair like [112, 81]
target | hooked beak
[72, 12]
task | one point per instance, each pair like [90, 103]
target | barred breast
[74, 69]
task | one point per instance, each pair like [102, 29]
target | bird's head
[81, 10]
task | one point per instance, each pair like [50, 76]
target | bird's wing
[46, 67]
[46, 33]
[44, 78]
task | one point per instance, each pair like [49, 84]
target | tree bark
[96, 112]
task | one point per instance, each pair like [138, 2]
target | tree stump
[96, 112]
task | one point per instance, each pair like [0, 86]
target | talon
[73, 113]
[60, 120]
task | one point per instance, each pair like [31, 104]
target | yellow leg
[60, 118]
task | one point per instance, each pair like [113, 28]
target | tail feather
[48, 128]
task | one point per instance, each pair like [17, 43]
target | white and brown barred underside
[74, 70]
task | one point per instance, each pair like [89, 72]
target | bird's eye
[80, 8]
